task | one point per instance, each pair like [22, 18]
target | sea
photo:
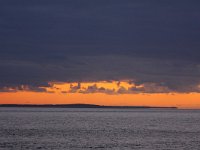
[99, 128]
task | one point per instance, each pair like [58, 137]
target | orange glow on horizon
[123, 93]
[178, 100]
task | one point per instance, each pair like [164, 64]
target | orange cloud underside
[68, 87]
[180, 100]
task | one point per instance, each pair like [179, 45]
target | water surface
[87, 128]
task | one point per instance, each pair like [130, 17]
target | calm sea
[117, 129]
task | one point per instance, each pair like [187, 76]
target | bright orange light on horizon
[103, 93]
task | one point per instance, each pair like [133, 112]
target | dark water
[117, 129]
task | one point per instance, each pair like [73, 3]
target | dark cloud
[74, 89]
[154, 42]
[22, 88]
[95, 89]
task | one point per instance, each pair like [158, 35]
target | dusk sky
[108, 52]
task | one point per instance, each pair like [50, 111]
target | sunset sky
[107, 52]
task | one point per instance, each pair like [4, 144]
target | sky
[108, 52]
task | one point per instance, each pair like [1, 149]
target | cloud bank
[152, 43]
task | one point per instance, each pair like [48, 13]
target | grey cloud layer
[145, 41]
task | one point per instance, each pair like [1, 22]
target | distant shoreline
[82, 106]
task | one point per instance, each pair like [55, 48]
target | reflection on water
[145, 129]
